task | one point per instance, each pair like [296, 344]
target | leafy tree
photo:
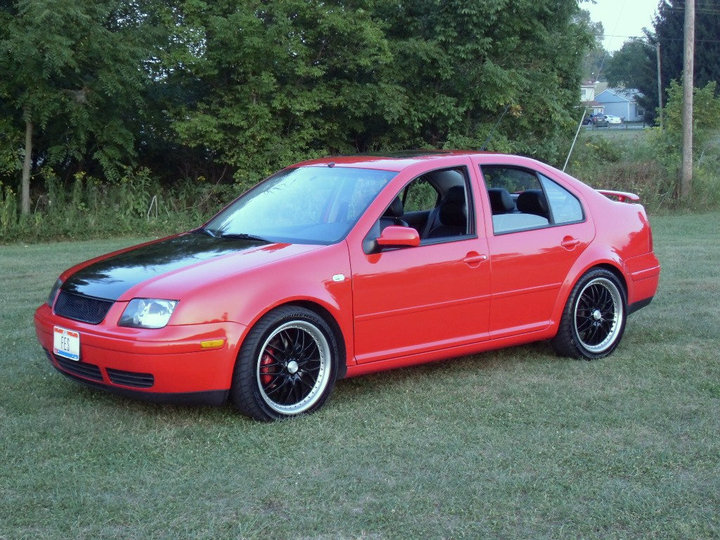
[74, 79]
[668, 33]
[463, 63]
[278, 81]
[634, 66]
[229, 88]
[593, 63]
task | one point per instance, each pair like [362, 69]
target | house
[587, 97]
[622, 102]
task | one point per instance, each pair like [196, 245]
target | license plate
[66, 343]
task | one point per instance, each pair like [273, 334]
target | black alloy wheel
[287, 365]
[594, 318]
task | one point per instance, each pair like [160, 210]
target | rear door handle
[569, 243]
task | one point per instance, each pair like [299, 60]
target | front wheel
[286, 366]
[594, 318]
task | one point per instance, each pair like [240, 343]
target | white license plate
[66, 343]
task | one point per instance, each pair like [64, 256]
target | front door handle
[473, 259]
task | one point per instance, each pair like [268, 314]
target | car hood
[110, 277]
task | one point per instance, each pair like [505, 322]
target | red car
[342, 266]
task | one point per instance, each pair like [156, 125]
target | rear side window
[564, 205]
[523, 199]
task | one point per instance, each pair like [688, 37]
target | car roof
[401, 160]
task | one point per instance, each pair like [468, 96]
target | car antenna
[572, 146]
[492, 131]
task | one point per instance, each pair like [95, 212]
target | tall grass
[642, 161]
[88, 208]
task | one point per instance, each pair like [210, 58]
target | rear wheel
[286, 366]
[594, 318]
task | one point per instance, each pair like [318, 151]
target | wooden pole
[687, 113]
[659, 84]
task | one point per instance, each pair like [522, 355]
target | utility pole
[659, 83]
[687, 113]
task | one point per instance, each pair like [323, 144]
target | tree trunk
[27, 164]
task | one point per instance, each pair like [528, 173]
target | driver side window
[437, 204]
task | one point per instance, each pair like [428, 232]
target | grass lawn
[513, 443]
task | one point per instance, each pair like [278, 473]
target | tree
[633, 66]
[594, 60]
[289, 79]
[668, 33]
[74, 78]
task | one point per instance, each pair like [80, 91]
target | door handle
[569, 243]
[474, 259]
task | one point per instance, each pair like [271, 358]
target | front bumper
[172, 364]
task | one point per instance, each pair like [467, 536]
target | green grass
[513, 443]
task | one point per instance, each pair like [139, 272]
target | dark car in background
[599, 120]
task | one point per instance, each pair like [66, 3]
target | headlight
[147, 313]
[54, 292]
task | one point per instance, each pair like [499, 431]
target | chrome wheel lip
[604, 290]
[322, 377]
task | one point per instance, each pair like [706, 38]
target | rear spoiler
[620, 196]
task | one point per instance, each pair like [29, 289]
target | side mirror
[396, 236]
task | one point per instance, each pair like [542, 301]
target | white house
[622, 102]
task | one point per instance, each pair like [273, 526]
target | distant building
[587, 97]
[622, 102]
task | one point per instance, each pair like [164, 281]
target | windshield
[307, 205]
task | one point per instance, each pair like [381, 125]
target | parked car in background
[600, 120]
[612, 119]
[342, 266]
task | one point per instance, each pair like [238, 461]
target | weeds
[89, 208]
[640, 161]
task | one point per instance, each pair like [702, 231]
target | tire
[287, 365]
[593, 320]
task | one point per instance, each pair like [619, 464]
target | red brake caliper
[265, 377]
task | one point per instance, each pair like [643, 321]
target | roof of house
[617, 95]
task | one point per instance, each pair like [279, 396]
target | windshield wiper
[244, 236]
[209, 232]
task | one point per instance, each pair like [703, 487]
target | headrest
[453, 211]
[532, 201]
[455, 194]
[501, 201]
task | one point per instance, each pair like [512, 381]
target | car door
[534, 242]
[425, 298]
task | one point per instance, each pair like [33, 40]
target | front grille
[81, 308]
[129, 378]
[79, 369]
